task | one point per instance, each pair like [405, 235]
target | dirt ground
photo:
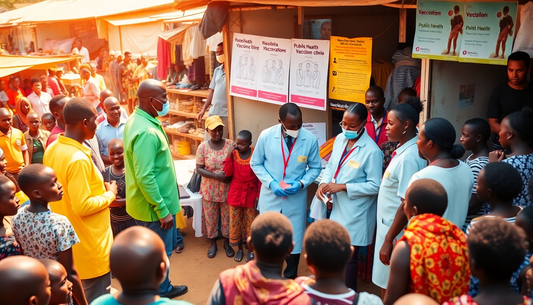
[199, 273]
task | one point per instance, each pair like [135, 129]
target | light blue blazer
[355, 209]
[304, 165]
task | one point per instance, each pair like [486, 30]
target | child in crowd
[499, 184]
[61, 286]
[259, 281]
[328, 248]
[428, 238]
[9, 205]
[36, 139]
[415, 299]
[516, 134]
[23, 281]
[475, 134]
[243, 193]
[49, 121]
[57, 236]
[120, 219]
[139, 262]
[497, 249]
[519, 280]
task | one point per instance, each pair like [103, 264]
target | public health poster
[350, 68]
[488, 32]
[244, 60]
[309, 73]
[439, 30]
[273, 76]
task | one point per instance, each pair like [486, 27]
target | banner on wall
[309, 70]
[439, 30]
[350, 69]
[274, 63]
[244, 60]
[488, 32]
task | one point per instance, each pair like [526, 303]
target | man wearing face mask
[286, 161]
[150, 174]
[217, 98]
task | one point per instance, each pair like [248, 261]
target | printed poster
[488, 32]
[439, 30]
[243, 79]
[350, 69]
[309, 70]
[274, 63]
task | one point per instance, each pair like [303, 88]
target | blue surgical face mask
[350, 134]
[164, 111]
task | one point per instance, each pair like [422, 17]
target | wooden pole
[424, 90]
[120, 38]
[301, 18]
[403, 25]
[227, 63]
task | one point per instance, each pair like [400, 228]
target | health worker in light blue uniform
[351, 179]
[287, 154]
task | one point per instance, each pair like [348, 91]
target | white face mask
[221, 58]
[292, 133]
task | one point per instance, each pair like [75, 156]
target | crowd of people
[88, 188]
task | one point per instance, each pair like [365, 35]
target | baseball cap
[213, 122]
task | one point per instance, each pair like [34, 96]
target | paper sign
[309, 70]
[318, 130]
[243, 80]
[274, 64]
[488, 32]
[350, 68]
[439, 29]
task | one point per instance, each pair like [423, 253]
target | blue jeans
[170, 238]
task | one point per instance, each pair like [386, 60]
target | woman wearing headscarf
[20, 120]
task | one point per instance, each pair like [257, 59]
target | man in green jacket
[151, 186]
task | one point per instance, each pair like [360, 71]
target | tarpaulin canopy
[10, 64]
[139, 17]
[65, 10]
[175, 36]
[183, 16]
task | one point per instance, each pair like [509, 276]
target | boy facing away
[41, 233]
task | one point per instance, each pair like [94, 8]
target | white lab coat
[304, 165]
[355, 209]
[393, 187]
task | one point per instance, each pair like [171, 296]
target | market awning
[175, 36]
[10, 64]
[137, 18]
[183, 16]
[65, 10]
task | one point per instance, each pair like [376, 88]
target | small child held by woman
[243, 193]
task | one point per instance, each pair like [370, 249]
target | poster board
[274, 57]
[309, 70]
[350, 68]
[244, 58]
[489, 30]
[439, 30]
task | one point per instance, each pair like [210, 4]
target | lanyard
[343, 159]
[286, 161]
[378, 134]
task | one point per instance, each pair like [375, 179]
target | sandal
[238, 256]
[250, 256]
[212, 251]
[229, 251]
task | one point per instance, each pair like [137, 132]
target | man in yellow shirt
[86, 198]
[13, 144]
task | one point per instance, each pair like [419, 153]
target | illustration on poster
[308, 79]
[245, 71]
[273, 74]
[456, 23]
[506, 29]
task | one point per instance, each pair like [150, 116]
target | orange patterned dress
[439, 258]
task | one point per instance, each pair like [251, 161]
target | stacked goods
[326, 148]
[197, 132]
[182, 126]
[186, 106]
[199, 105]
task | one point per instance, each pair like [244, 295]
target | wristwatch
[301, 184]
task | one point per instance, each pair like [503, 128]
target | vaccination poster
[274, 64]
[309, 73]
[488, 32]
[350, 69]
[439, 30]
[244, 59]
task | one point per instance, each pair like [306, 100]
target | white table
[184, 171]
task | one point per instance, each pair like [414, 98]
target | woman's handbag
[194, 183]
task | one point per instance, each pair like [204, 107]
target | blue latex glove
[278, 191]
[294, 188]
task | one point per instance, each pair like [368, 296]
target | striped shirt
[476, 165]
[473, 223]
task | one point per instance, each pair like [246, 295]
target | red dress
[244, 187]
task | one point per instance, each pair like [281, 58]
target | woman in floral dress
[214, 188]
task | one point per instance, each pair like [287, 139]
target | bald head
[140, 247]
[150, 88]
[152, 96]
[4, 112]
[23, 281]
[105, 94]
[415, 299]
